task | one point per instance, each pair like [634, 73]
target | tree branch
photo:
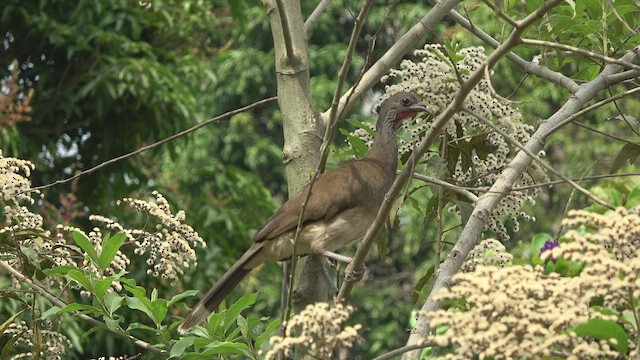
[530, 67]
[549, 168]
[503, 185]
[311, 20]
[577, 50]
[404, 44]
[286, 32]
[460, 190]
[54, 300]
[402, 350]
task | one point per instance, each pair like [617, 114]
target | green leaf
[137, 304]
[180, 346]
[227, 347]
[86, 245]
[604, 330]
[112, 324]
[466, 209]
[85, 309]
[159, 310]
[185, 294]
[101, 286]
[537, 242]
[236, 308]
[271, 328]
[627, 155]
[9, 345]
[58, 270]
[49, 312]
[633, 198]
[136, 326]
[214, 323]
[110, 249]
[81, 278]
[112, 301]
[629, 317]
[9, 321]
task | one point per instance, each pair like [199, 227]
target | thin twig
[460, 190]
[498, 10]
[604, 133]
[311, 20]
[577, 50]
[157, 143]
[54, 300]
[544, 164]
[402, 350]
[528, 66]
[591, 108]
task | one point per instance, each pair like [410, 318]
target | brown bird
[342, 205]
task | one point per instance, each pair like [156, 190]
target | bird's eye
[406, 102]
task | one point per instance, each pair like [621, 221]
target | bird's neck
[385, 149]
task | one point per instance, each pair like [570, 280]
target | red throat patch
[404, 114]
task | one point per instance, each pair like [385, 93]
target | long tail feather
[220, 290]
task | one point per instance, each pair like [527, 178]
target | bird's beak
[420, 107]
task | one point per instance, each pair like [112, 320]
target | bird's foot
[354, 276]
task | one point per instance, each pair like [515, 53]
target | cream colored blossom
[318, 330]
[434, 79]
[521, 312]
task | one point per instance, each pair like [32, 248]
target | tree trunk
[302, 125]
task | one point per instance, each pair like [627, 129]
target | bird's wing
[332, 193]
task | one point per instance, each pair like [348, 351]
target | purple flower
[548, 246]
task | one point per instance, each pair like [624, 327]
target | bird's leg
[329, 280]
[352, 275]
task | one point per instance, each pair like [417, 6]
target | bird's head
[401, 106]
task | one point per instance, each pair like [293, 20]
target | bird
[342, 205]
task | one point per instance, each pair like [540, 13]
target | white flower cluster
[521, 312]
[23, 227]
[318, 330]
[170, 248]
[434, 79]
[487, 252]
[53, 345]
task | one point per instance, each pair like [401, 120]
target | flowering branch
[488, 202]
